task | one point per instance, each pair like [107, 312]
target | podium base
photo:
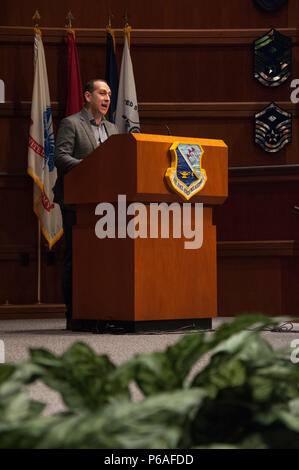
[151, 327]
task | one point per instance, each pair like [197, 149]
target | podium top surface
[173, 138]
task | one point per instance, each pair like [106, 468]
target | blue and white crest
[48, 139]
[185, 175]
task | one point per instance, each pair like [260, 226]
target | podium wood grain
[143, 279]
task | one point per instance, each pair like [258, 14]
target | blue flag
[111, 73]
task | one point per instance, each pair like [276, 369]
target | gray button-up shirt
[100, 133]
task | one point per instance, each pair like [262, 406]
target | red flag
[75, 100]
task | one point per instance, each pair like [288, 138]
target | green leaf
[262, 388]
[290, 420]
[217, 446]
[248, 346]
[184, 354]
[168, 370]
[165, 371]
[6, 370]
[155, 422]
[232, 358]
[240, 323]
[256, 350]
[231, 374]
[8, 389]
[44, 358]
[17, 408]
[246, 387]
[223, 371]
[294, 407]
[27, 372]
[25, 434]
[84, 380]
[153, 373]
[253, 441]
[280, 369]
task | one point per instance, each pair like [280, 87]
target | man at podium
[78, 136]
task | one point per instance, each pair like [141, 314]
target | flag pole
[36, 18]
[41, 131]
[39, 263]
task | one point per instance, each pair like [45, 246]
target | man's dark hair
[89, 86]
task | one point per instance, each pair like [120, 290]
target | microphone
[168, 130]
[129, 120]
[295, 210]
[138, 123]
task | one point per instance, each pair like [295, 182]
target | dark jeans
[68, 219]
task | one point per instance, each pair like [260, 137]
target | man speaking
[78, 136]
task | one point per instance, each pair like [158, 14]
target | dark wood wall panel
[290, 285]
[14, 138]
[232, 123]
[18, 246]
[167, 73]
[237, 133]
[193, 70]
[16, 212]
[250, 286]
[151, 14]
[18, 71]
[19, 281]
[201, 73]
[258, 277]
[259, 211]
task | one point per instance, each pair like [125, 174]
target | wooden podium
[142, 281]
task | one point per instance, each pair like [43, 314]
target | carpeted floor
[21, 335]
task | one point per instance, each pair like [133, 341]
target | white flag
[41, 149]
[127, 116]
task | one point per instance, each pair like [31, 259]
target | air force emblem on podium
[185, 175]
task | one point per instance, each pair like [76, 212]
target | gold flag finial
[70, 18]
[110, 15]
[126, 18]
[36, 18]
[128, 28]
[110, 30]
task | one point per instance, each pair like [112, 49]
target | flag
[2, 92]
[127, 117]
[111, 73]
[75, 100]
[41, 149]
